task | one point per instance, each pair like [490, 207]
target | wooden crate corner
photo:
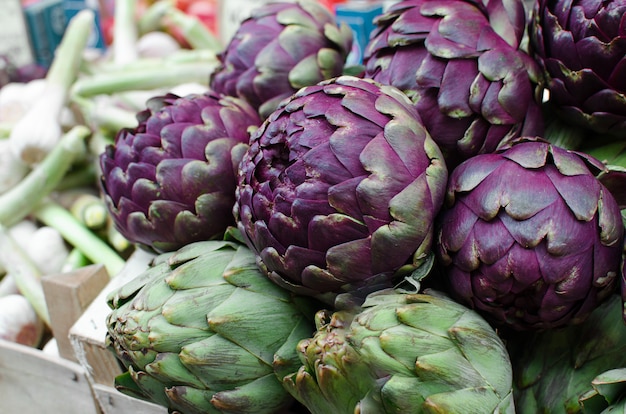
[87, 335]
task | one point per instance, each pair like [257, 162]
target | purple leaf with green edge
[167, 182]
[262, 61]
[514, 218]
[463, 66]
[361, 189]
[581, 48]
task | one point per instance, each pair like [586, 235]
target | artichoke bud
[197, 315]
[404, 353]
[170, 181]
[515, 252]
[352, 209]
[586, 89]
[280, 48]
[463, 66]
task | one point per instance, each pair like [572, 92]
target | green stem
[75, 260]
[195, 33]
[5, 129]
[91, 211]
[25, 273]
[151, 19]
[19, 201]
[84, 176]
[105, 115]
[144, 79]
[92, 246]
[125, 32]
[69, 53]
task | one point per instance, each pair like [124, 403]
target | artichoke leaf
[222, 364]
[265, 395]
[168, 369]
[262, 329]
[464, 401]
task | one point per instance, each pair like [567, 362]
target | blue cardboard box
[359, 16]
[72, 7]
[46, 24]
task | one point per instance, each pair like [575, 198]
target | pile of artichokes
[417, 235]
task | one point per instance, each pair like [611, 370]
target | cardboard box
[71, 9]
[46, 26]
[359, 15]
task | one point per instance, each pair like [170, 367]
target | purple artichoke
[529, 236]
[171, 180]
[461, 64]
[581, 46]
[339, 189]
[280, 48]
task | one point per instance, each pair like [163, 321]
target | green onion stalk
[193, 30]
[164, 13]
[125, 33]
[38, 131]
[75, 260]
[102, 112]
[26, 275]
[20, 200]
[143, 78]
[93, 247]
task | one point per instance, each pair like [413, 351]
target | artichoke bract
[201, 329]
[581, 46]
[461, 64]
[403, 353]
[339, 189]
[171, 180]
[529, 236]
[280, 48]
[575, 369]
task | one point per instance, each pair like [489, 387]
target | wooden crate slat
[32, 382]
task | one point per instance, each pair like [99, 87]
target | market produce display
[437, 230]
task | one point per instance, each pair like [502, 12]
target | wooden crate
[87, 337]
[33, 382]
[112, 401]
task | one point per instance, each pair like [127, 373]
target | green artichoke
[461, 64]
[280, 48]
[203, 331]
[403, 353]
[171, 180]
[608, 394]
[581, 47]
[529, 236]
[577, 369]
[339, 189]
